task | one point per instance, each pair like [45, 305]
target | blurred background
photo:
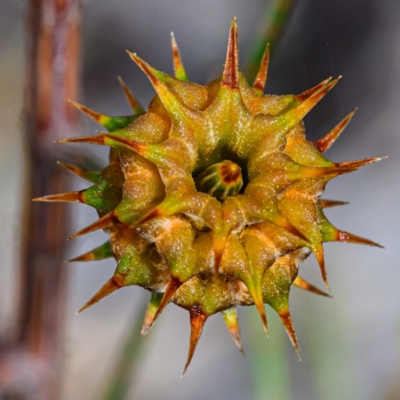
[351, 343]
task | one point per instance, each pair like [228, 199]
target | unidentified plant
[211, 198]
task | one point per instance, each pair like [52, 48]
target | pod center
[220, 180]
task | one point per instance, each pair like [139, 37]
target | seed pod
[212, 196]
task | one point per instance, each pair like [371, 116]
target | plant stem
[53, 36]
[277, 16]
[266, 358]
[127, 362]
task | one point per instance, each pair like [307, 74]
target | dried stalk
[53, 32]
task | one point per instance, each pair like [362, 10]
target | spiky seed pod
[212, 196]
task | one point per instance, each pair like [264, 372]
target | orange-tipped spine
[327, 141]
[230, 76]
[304, 285]
[132, 101]
[179, 69]
[102, 223]
[90, 176]
[197, 320]
[261, 78]
[99, 253]
[109, 287]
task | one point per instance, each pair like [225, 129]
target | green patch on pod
[106, 193]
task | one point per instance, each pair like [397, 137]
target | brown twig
[31, 369]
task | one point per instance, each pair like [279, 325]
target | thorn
[332, 203]
[132, 101]
[151, 312]
[327, 141]
[232, 323]
[90, 176]
[338, 168]
[342, 236]
[146, 68]
[109, 287]
[96, 116]
[319, 255]
[230, 76]
[261, 78]
[176, 108]
[288, 324]
[94, 139]
[313, 90]
[304, 285]
[172, 287]
[296, 114]
[107, 121]
[130, 144]
[310, 172]
[261, 310]
[153, 152]
[103, 222]
[69, 197]
[353, 165]
[99, 253]
[197, 320]
[255, 289]
[179, 69]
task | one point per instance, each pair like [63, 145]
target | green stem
[128, 361]
[267, 361]
[277, 16]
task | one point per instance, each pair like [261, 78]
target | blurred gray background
[350, 344]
